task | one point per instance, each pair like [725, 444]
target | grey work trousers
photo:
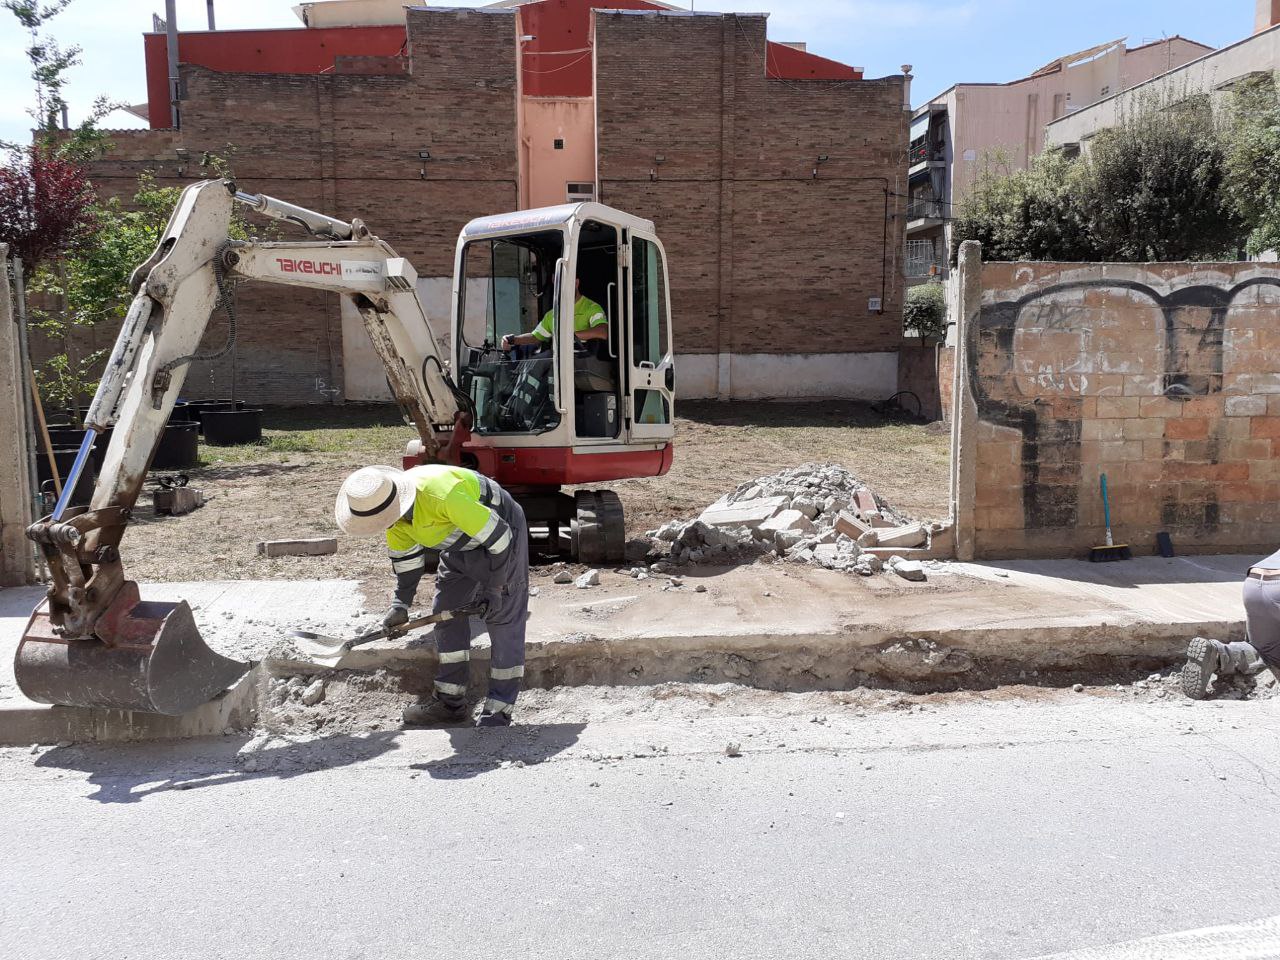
[1262, 615]
[465, 576]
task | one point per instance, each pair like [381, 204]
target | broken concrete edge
[603, 661]
[234, 708]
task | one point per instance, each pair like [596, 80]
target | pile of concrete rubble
[818, 514]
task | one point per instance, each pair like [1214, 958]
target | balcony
[923, 260]
[922, 155]
[924, 209]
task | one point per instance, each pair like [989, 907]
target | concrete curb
[35, 723]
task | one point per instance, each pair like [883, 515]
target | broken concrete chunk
[850, 525]
[869, 539]
[907, 569]
[806, 505]
[176, 501]
[912, 535]
[589, 579]
[314, 693]
[313, 547]
[563, 576]
[790, 519]
[784, 540]
[750, 513]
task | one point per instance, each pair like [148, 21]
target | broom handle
[1106, 509]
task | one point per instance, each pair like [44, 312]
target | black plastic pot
[178, 448]
[229, 427]
[65, 457]
[63, 437]
[196, 408]
[182, 413]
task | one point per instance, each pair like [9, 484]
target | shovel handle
[477, 609]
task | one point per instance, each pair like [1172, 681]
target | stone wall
[1165, 377]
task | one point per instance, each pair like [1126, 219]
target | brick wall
[765, 258]
[345, 144]
[1166, 377]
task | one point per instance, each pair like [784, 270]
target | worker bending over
[1207, 657]
[589, 323]
[480, 534]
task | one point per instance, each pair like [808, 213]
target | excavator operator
[589, 323]
[480, 534]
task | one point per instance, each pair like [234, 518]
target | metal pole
[171, 28]
[209, 6]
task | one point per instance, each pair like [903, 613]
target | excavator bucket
[149, 656]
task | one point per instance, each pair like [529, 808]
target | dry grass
[284, 487]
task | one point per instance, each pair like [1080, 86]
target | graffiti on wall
[1034, 360]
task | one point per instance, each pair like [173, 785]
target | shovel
[331, 650]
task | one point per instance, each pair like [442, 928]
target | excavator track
[599, 527]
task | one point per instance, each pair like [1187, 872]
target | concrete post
[964, 411]
[16, 560]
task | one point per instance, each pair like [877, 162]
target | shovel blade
[317, 645]
[157, 662]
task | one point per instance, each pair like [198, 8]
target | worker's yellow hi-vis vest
[586, 314]
[453, 508]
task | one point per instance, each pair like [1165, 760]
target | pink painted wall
[546, 170]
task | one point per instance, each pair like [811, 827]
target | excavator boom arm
[93, 643]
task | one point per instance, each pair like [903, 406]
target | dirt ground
[284, 487]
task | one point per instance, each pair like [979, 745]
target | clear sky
[945, 41]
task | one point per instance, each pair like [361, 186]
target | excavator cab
[592, 399]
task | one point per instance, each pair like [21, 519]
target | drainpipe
[171, 28]
[209, 7]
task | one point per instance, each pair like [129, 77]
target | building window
[558, 144]
[579, 192]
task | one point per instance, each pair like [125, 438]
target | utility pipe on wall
[171, 29]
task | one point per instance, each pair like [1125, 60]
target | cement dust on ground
[353, 702]
[284, 488]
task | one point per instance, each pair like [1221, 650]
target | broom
[1111, 550]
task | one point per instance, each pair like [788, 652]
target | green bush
[1155, 187]
[925, 311]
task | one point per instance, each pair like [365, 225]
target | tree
[1027, 214]
[1152, 188]
[45, 204]
[924, 313]
[1251, 130]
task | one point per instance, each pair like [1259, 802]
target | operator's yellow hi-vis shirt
[453, 509]
[586, 314]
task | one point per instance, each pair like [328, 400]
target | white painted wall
[1209, 74]
[771, 376]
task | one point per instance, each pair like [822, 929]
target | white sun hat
[372, 499]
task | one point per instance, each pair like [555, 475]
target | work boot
[494, 720]
[1207, 657]
[434, 713]
[1203, 656]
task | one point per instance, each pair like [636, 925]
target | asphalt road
[985, 830]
